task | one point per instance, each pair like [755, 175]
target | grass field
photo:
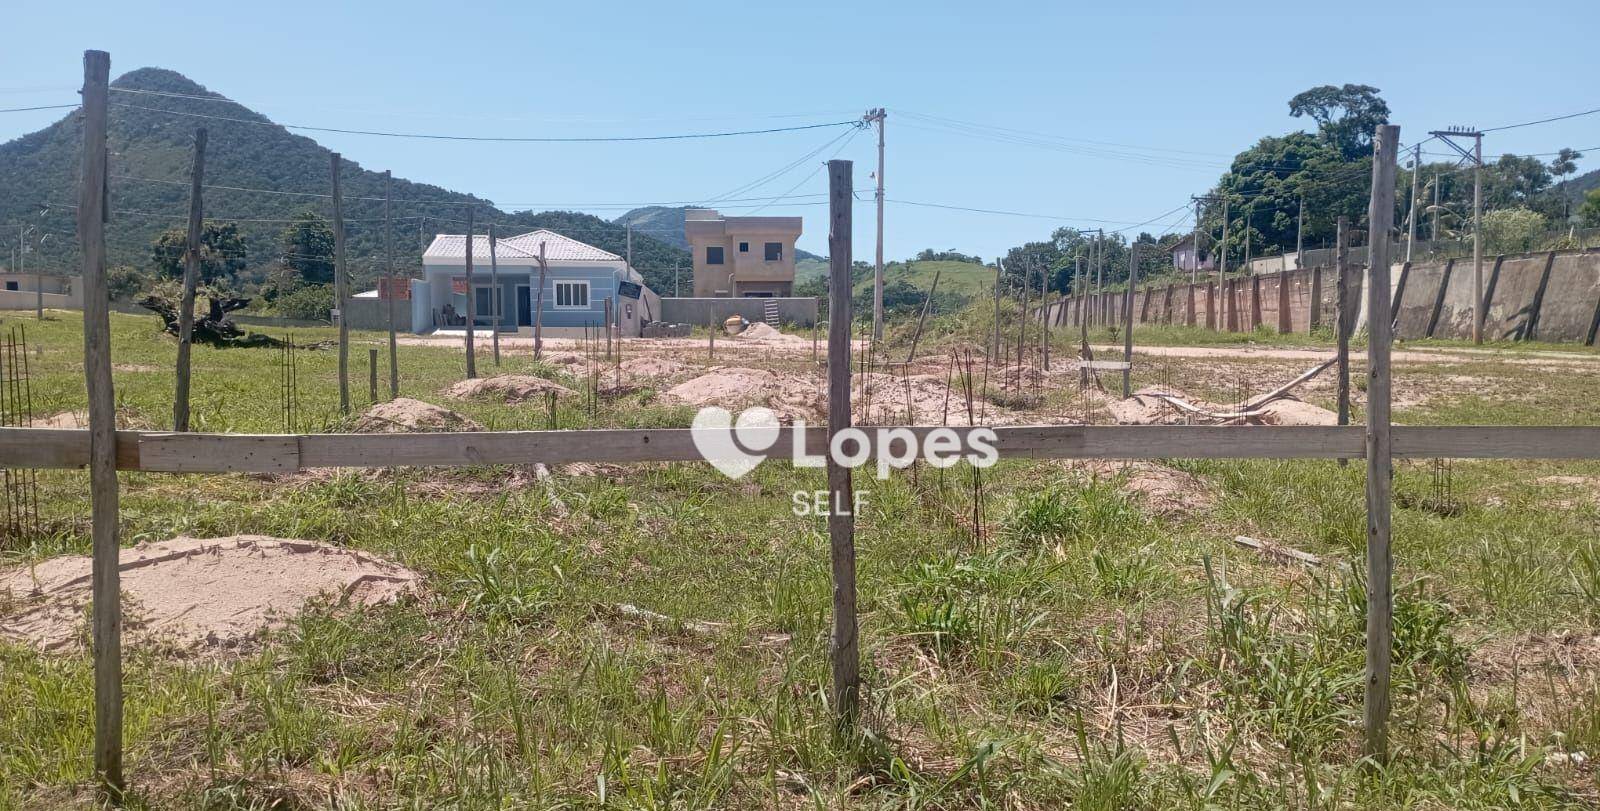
[1092, 652]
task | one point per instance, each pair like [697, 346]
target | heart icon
[722, 441]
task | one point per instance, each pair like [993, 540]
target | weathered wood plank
[160, 451]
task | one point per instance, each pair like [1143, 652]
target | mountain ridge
[153, 116]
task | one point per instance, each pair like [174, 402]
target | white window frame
[555, 296]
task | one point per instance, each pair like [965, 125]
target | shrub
[311, 303]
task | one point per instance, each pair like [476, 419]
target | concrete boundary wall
[798, 310]
[1551, 296]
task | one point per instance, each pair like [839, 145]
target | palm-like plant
[1565, 163]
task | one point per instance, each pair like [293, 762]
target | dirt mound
[404, 415]
[1164, 490]
[736, 387]
[759, 329]
[507, 388]
[886, 399]
[1295, 412]
[211, 592]
[127, 420]
[652, 368]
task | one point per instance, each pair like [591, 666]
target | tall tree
[1346, 116]
[1565, 163]
[222, 252]
[308, 248]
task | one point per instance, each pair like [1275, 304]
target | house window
[11, 285]
[744, 247]
[486, 305]
[774, 251]
[572, 295]
[714, 255]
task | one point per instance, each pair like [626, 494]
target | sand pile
[885, 399]
[651, 368]
[507, 388]
[1289, 411]
[762, 334]
[211, 592]
[1163, 490]
[737, 387]
[127, 420]
[404, 415]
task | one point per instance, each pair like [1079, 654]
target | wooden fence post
[1127, 320]
[191, 278]
[1380, 467]
[388, 272]
[843, 649]
[341, 289]
[496, 306]
[372, 376]
[105, 579]
[1343, 313]
[472, 314]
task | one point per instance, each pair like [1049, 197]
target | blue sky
[1177, 87]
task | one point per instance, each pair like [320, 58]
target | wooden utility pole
[1380, 467]
[994, 349]
[1342, 320]
[191, 278]
[341, 292]
[1127, 320]
[877, 116]
[538, 306]
[495, 306]
[388, 260]
[472, 313]
[843, 647]
[105, 578]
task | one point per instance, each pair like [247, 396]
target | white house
[1183, 256]
[579, 281]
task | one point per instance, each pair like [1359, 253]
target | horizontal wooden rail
[162, 452]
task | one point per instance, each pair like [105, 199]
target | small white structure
[1184, 257]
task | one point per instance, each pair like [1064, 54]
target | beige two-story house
[741, 257]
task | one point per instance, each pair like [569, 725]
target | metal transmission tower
[877, 116]
[1475, 158]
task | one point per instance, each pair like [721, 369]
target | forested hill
[151, 137]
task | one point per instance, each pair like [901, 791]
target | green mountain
[153, 117]
[666, 224]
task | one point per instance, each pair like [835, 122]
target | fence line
[165, 452]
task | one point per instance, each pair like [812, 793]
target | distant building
[1183, 257]
[741, 257]
[580, 280]
[20, 291]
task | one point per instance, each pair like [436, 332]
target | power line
[45, 107]
[494, 138]
[1542, 121]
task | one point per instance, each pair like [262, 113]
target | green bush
[311, 303]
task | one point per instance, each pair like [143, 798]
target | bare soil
[507, 388]
[405, 415]
[196, 592]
